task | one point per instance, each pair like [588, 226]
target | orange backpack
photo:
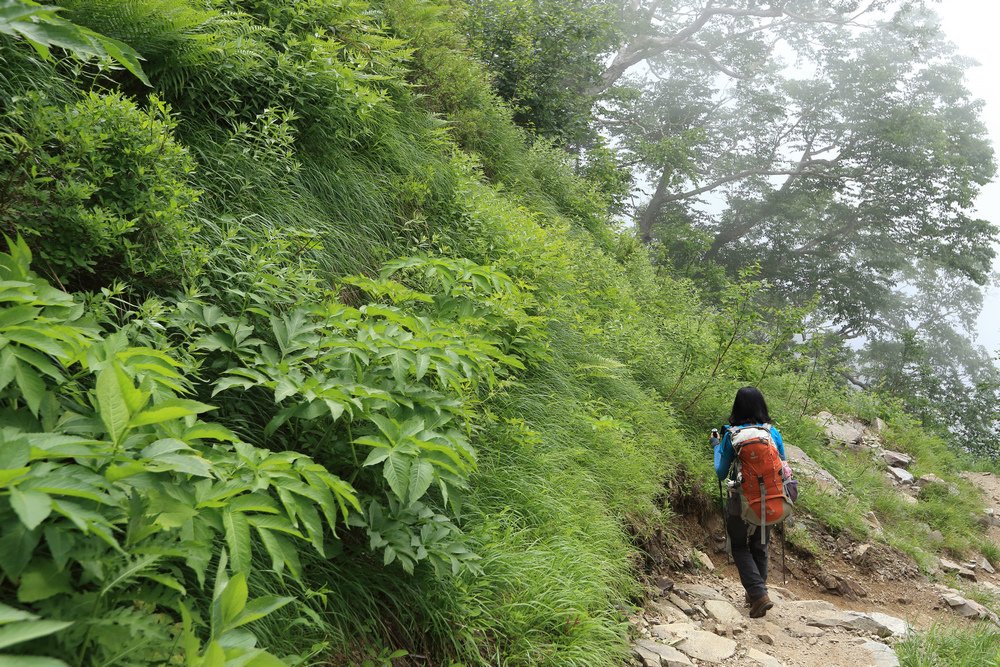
[759, 480]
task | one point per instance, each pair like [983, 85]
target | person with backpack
[750, 457]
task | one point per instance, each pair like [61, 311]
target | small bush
[98, 184]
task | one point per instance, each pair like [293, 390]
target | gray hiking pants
[749, 555]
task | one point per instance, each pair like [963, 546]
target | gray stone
[724, 613]
[672, 631]
[901, 476]
[698, 591]
[840, 430]
[985, 565]
[897, 627]
[968, 608]
[645, 657]
[763, 659]
[882, 655]
[701, 558]
[907, 499]
[803, 464]
[680, 603]
[896, 459]
[707, 647]
[960, 570]
[879, 426]
[660, 654]
[766, 637]
[873, 623]
[666, 611]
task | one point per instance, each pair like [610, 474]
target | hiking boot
[746, 600]
[760, 606]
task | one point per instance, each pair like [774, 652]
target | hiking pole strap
[763, 511]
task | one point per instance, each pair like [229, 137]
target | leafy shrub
[118, 497]
[99, 183]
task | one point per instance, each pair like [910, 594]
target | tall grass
[944, 646]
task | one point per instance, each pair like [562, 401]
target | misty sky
[972, 25]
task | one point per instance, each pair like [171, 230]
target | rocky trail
[848, 608]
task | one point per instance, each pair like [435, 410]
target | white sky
[972, 26]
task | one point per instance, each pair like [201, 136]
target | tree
[733, 37]
[544, 55]
[848, 174]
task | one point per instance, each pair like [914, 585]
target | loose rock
[804, 465]
[896, 459]
[763, 659]
[724, 613]
[882, 655]
[660, 655]
[698, 591]
[841, 431]
[961, 570]
[901, 476]
[707, 646]
[701, 558]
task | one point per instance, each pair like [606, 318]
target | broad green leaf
[396, 470]
[376, 456]
[254, 502]
[208, 431]
[32, 507]
[421, 476]
[282, 552]
[31, 385]
[237, 530]
[42, 581]
[60, 542]
[14, 450]
[8, 366]
[17, 315]
[17, 544]
[165, 446]
[30, 661]
[174, 408]
[10, 615]
[232, 602]
[135, 398]
[124, 55]
[189, 464]
[111, 404]
[38, 339]
[214, 656]
[259, 608]
[264, 659]
[73, 481]
[22, 631]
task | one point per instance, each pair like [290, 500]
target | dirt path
[699, 618]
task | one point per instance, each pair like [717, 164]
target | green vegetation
[310, 354]
[943, 646]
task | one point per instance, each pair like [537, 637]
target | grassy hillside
[320, 358]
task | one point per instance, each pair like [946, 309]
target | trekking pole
[714, 440]
[784, 568]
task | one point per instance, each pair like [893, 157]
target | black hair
[749, 408]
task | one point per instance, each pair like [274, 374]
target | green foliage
[96, 183]
[42, 27]
[118, 494]
[962, 647]
[496, 424]
[543, 57]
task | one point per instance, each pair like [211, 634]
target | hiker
[755, 439]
